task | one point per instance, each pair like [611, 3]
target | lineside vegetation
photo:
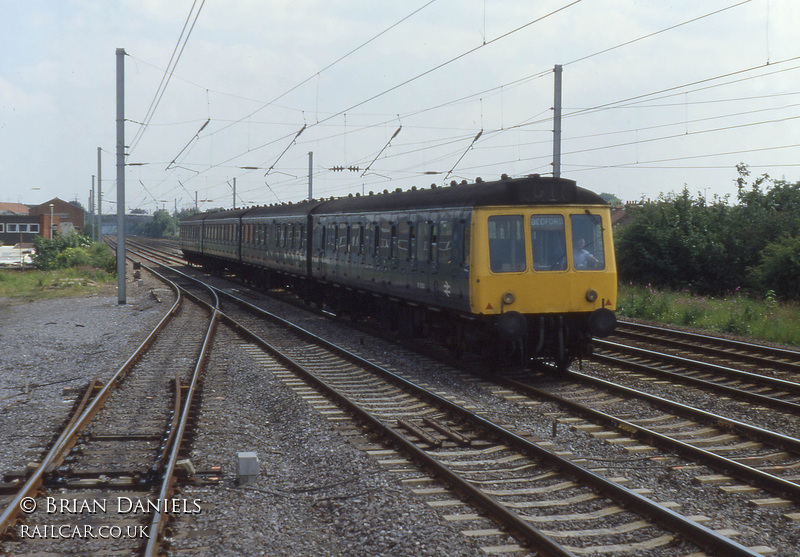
[728, 267]
[764, 319]
[67, 265]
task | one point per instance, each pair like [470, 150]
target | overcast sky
[657, 95]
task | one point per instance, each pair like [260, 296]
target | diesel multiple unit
[515, 270]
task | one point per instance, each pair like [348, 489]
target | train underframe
[504, 342]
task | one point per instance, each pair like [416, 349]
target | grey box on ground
[246, 467]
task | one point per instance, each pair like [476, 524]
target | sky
[657, 96]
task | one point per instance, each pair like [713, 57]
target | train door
[452, 268]
[426, 273]
[405, 231]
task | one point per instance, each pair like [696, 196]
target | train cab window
[588, 252]
[506, 244]
[549, 243]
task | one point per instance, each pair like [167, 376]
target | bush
[778, 272]
[72, 250]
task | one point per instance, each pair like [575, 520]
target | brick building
[66, 216]
[19, 223]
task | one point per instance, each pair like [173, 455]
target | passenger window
[588, 252]
[402, 240]
[506, 244]
[549, 243]
[388, 235]
[445, 241]
[433, 243]
[465, 244]
[422, 244]
[343, 237]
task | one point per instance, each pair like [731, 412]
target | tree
[681, 242]
[779, 268]
[611, 199]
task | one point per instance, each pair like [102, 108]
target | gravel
[317, 494]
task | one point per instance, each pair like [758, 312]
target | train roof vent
[478, 180]
[504, 176]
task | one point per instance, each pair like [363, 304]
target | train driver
[582, 258]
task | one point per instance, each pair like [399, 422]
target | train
[514, 271]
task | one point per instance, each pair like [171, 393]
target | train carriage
[516, 269]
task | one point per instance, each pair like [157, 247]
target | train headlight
[591, 295]
[508, 298]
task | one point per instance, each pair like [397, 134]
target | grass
[737, 314]
[35, 285]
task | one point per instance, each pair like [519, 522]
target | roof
[14, 209]
[531, 190]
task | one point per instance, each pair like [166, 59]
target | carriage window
[445, 241]
[506, 244]
[387, 236]
[360, 239]
[402, 240]
[549, 243]
[433, 242]
[343, 237]
[465, 244]
[587, 242]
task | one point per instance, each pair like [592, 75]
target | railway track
[513, 479]
[107, 482]
[707, 366]
[774, 460]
